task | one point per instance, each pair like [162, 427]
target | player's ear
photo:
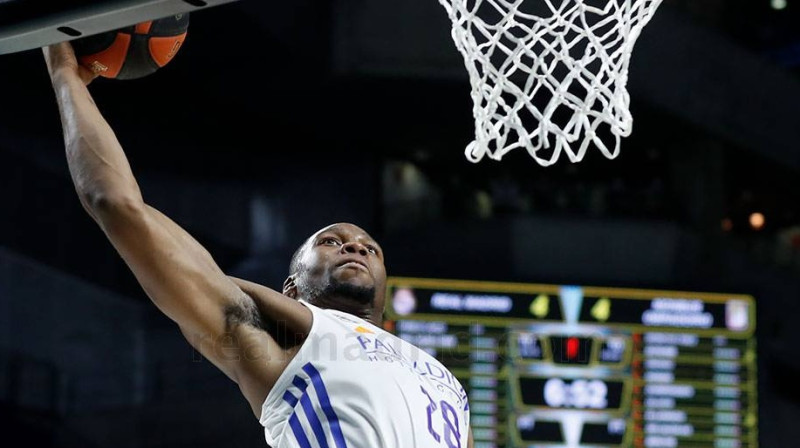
[290, 287]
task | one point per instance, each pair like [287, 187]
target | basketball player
[312, 361]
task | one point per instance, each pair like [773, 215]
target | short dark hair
[295, 265]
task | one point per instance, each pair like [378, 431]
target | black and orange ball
[134, 51]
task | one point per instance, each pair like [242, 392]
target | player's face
[344, 254]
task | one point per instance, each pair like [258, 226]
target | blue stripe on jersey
[297, 429]
[289, 398]
[325, 401]
[300, 383]
[312, 417]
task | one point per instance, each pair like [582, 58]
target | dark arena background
[277, 118]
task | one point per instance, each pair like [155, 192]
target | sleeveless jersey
[354, 385]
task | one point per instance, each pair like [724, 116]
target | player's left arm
[470, 442]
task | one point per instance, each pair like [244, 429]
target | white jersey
[354, 385]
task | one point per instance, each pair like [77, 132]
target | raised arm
[217, 317]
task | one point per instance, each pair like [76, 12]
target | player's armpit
[184, 282]
[272, 310]
[284, 318]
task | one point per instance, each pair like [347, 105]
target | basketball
[134, 51]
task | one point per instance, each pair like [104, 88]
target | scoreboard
[570, 366]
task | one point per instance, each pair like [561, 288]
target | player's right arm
[217, 317]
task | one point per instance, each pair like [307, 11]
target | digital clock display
[582, 367]
[583, 393]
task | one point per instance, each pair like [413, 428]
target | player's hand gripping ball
[134, 51]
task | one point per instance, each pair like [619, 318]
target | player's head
[340, 266]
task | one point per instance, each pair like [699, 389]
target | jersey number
[452, 435]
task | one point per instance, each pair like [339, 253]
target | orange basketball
[134, 51]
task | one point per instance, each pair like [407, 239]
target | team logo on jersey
[360, 329]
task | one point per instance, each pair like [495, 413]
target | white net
[548, 75]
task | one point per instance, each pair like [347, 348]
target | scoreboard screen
[571, 366]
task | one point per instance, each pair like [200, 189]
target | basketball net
[548, 75]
